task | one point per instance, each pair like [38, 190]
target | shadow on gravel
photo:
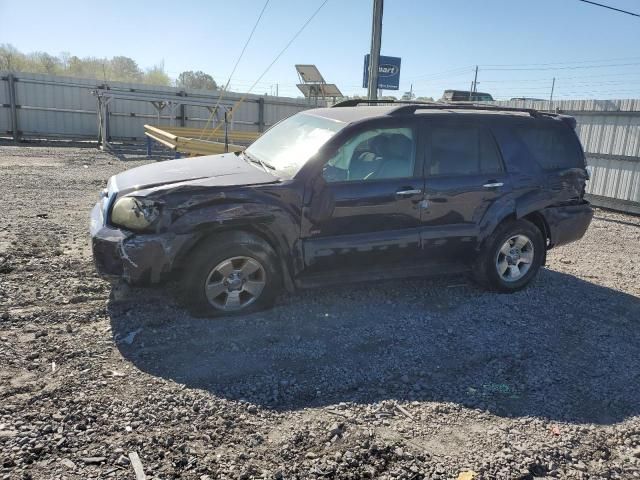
[563, 349]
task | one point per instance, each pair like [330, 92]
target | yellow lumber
[202, 135]
[166, 143]
[180, 139]
[159, 132]
[200, 146]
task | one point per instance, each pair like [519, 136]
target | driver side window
[373, 155]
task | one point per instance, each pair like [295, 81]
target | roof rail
[353, 102]
[409, 109]
[406, 107]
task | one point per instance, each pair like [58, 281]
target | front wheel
[511, 257]
[231, 274]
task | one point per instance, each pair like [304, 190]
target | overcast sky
[519, 45]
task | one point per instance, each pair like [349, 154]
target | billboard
[388, 73]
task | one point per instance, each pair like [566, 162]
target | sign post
[376, 39]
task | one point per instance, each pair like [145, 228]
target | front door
[464, 177]
[371, 192]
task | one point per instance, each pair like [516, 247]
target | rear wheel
[231, 274]
[511, 257]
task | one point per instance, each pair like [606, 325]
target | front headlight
[135, 214]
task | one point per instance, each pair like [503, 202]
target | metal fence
[37, 105]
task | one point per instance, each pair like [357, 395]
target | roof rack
[353, 102]
[408, 107]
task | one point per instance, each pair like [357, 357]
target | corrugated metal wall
[64, 106]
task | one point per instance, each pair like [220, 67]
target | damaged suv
[352, 192]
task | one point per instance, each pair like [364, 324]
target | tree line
[114, 69]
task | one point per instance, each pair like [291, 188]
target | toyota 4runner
[352, 192]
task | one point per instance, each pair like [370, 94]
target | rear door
[464, 177]
[556, 149]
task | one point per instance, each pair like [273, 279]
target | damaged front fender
[138, 259]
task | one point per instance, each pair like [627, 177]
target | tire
[510, 268]
[240, 270]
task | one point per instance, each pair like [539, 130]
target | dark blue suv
[349, 193]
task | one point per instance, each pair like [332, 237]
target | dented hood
[226, 169]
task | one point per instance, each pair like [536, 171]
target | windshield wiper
[260, 162]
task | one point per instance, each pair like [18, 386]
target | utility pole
[553, 85]
[374, 55]
[474, 85]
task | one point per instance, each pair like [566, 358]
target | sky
[518, 45]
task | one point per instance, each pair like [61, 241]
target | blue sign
[388, 73]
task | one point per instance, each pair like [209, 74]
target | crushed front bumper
[135, 258]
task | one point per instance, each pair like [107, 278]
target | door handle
[493, 185]
[408, 193]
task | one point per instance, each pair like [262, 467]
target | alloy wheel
[515, 258]
[235, 283]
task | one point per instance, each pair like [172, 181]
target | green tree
[157, 76]
[124, 69]
[196, 80]
[88, 67]
[42, 62]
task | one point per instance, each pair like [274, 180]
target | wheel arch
[247, 231]
[539, 221]
[508, 215]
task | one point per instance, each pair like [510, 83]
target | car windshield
[289, 144]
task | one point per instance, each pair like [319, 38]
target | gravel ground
[411, 379]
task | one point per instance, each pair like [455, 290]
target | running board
[376, 274]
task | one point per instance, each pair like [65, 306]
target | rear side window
[552, 148]
[463, 150]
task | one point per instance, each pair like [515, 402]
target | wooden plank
[159, 132]
[137, 466]
[200, 134]
[177, 138]
[164, 142]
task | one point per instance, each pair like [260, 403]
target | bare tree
[10, 58]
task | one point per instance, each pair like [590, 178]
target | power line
[545, 79]
[606, 60]
[568, 64]
[288, 44]
[215, 108]
[237, 104]
[442, 78]
[247, 42]
[454, 71]
[610, 8]
[561, 68]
